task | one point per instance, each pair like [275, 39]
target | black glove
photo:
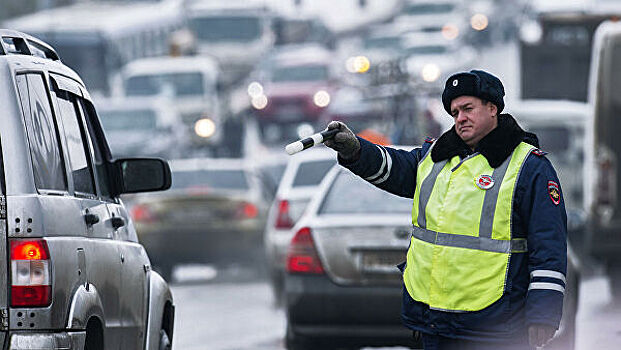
[344, 142]
[539, 334]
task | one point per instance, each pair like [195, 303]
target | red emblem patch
[539, 152]
[430, 140]
[485, 182]
[554, 192]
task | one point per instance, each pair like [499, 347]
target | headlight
[357, 64]
[450, 31]
[255, 89]
[430, 72]
[205, 127]
[259, 102]
[479, 21]
[531, 32]
[321, 98]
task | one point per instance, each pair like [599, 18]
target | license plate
[382, 261]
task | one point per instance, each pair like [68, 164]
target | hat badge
[455, 82]
[485, 182]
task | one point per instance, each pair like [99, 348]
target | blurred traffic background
[255, 242]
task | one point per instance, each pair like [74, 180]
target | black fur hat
[476, 83]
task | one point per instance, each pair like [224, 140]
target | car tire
[278, 287]
[165, 343]
[297, 342]
[614, 277]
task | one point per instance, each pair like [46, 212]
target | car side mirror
[143, 175]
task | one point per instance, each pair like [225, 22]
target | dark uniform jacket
[538, 215]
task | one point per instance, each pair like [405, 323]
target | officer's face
[473, 119]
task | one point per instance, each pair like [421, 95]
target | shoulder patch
[538, 152]
[430, 139]
[554, 192]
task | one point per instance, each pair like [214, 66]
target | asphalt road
[233, 310]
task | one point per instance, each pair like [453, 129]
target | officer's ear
[493, 109]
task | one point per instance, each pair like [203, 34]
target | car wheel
[614, 276]
[164, 341]
[297, 342]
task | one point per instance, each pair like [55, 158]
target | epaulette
[538, 152]
[430, 139]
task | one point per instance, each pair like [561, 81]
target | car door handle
[91, 219]
[117, 222]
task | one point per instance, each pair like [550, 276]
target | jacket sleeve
[542, 210]
[390, 169]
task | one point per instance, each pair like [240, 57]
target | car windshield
[179, 84]
[351, 195]
[426, 9]
[128, 119]
[311, 173]
[427, 50]
[300, 73]
[220, 179]
[553, 139]
[389, 42]
[219, 29]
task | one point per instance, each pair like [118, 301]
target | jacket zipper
[465, 159]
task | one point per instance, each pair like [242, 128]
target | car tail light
[141, 212]
[283, 219]
[247, 211]
[31, 282]
[302, 256]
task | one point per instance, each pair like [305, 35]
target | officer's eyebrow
[465, 105]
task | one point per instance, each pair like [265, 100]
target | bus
[97, 38]
[555, 47]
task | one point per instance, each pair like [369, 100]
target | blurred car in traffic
[191, 82]
[75, 276]
[236, 32]
[142, 127]
[213, 213]
[350, 106]
[374, 60]
[294, 86]
[300, 29]
[445, 17]
[429, 59]
[342, 284]
[299, 183]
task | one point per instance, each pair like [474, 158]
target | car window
[311, 173]
[349, 194]
[43, 139]
[129, 119]
[77, 148]
[229, 28]
[179, 84]
[221, 179]
[96, 145]
[554, 140]
[300, 73]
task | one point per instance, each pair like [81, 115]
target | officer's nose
[461, 117]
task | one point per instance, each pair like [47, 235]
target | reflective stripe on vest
[461, 242]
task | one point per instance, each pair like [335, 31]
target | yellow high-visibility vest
[461, 239]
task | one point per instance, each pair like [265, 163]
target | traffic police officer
[487, 259]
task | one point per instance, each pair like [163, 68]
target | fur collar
[495, 146]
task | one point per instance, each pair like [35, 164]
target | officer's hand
[344, 142]
[539, 334]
